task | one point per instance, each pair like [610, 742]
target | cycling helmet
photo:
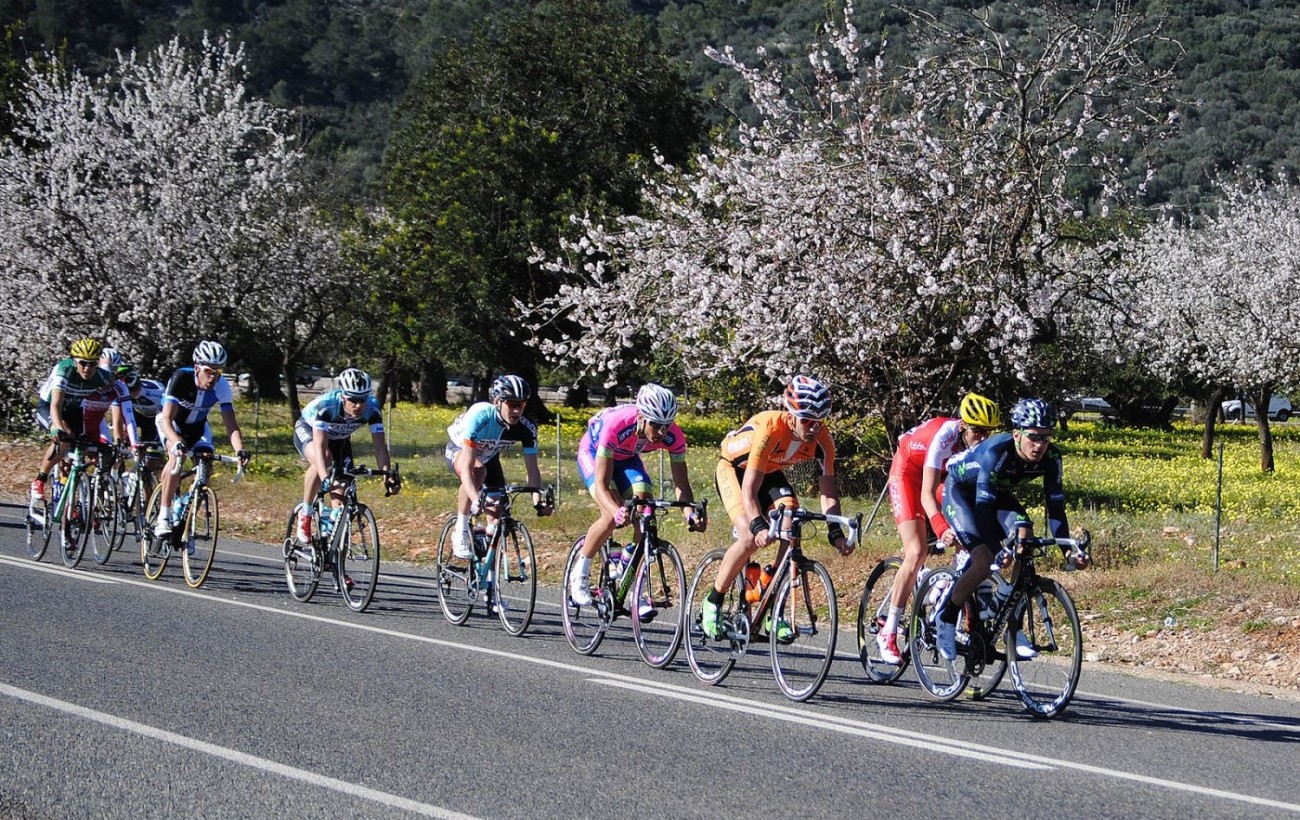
[211, 354]
[129, 376]
[807, 398]
[510, 388]
[978, 411]
[110, 359]
[354, 383]
[86, 349]
[656, 403]
[1032, 413]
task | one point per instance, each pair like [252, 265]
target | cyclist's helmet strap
[807, 398]
[354, 383]
[978, 411]
[1032, 413]
[656, 403]
[86, 349]
[211, 354]
[510, 388]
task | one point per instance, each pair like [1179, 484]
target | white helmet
[354, 383]
[109, 359]
[510, 388]
[211, 354]
[656, 403]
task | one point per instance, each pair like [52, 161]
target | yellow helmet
[978, 411]
[87, 349]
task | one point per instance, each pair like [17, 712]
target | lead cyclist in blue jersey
[476, 439]
[323, 436]
[978, 504]
[183, 423]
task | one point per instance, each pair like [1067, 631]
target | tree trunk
[433, 383]
[291, 390]
[577, 396]
[265, 375]
[387, 391]
[1265, 431]
[1214, 404]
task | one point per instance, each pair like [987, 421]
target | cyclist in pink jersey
[610, 451]
[915, 487]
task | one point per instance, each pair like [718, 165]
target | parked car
[308, 375]
[1279, 409]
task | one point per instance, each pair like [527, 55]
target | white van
[1279, 409]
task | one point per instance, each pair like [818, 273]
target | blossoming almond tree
[890, 228]
[149, 207]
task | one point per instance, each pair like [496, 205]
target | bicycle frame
[501, 501]
[647, 543]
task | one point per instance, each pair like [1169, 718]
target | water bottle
[619, 561]
[1003, 591]
[753, 582]
[985, 596]
[327, 521]
[178, 507]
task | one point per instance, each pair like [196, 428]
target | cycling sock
[891, 621]
[716, 598]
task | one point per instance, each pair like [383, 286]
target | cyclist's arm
[1054, 496]
[232, 429]
[380, 442]
[682, 484]
[56, 412]
[931, 482]
[534, 475]
[830, 501]
[749, 484]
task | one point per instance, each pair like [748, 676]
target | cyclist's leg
[464, 464]
[597, 474]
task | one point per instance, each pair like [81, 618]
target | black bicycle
[797, 613]
[134, 486]
[648, 588]
[503, 568]
[196, 519]
[1030, 626]
[344, 543]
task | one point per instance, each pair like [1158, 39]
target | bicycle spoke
[302, 562]
[76, 520]
[199, 542]
[658, 606]
[154, 551]
[102, 532]
[810, 612]
[873, 609]
[1046, 681]
[37, 524]
[457, 579]
[357, 559]
[515, 577]
[994, 666]
[941, 679]
[711, 659]
[584, 626]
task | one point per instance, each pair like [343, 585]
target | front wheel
[658, 605]
[457, 579]
[584, 626]
[713, 657]
[75, 523]
[154, 550]
[515, 588]
[873, 611]
[942, 679]
[104, 517]
[38, 528]
[806, 606]
[357, 560]
[302, 562]
[199, 543]
[1046, 681]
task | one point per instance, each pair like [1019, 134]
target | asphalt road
[121, 697]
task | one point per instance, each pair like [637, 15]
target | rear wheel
[302, 562]
[515, 590]
[457, 580]
[873, 610]
[75, 523]
[584, 626]
[154, 550]
[661, 584]
[1046, 682]
[712, 659]
[199, 546]
[357, 559]
[805, 601]
[104, 517]
[38, 528]
[941, 679]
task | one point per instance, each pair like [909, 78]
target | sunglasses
[87, 363]
[516, 405]
[209, 371]
[657, 427]
[1038, 438]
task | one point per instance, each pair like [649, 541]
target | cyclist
[183, 421]
[610, 451]
[978, 504]
[475, 441]
[915, 490]
[59, 410]
[119, 423]
[323, 436]
[750, 482]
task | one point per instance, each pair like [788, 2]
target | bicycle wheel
[711, 659]
[102, 532]
[808, 604]
[75, 523]
[515, 587]
[302, 562]
[584, 626]
[1046, 682]
[457, 579]
[941, 679]
[873, 609]
[661, 583]
[995, 663]
[37, 523]
[154, 551]
[200, 536]
[124, 509]
[357, 560]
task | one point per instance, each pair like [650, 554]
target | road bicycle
[196, 522]
[1045, 670]
[344, 542]
[798, 605]
[503, 568]
[651, 581]
[76, 487]
[134, 486]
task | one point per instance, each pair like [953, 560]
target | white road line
[80, 575]
[234, 756]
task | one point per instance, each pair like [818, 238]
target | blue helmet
[1032, 413]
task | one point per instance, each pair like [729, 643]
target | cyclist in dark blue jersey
[323, 437]
[980, 508]
[183, 423]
